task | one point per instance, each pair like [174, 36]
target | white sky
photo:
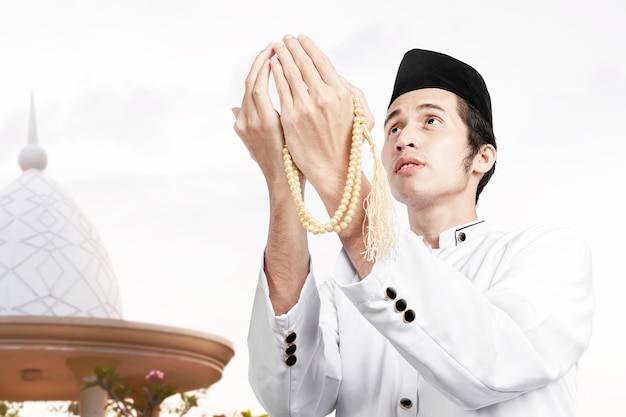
[133, 103]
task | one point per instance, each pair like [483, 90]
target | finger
[236, 111]
[302, 63]
[257, 64]
[255, 89]
[289, 72]
[323, 68]
[283, 87]
[260, 90]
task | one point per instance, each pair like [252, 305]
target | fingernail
[288, 36]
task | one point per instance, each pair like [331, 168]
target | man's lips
[406, 164]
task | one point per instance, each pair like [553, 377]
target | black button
[390, 293]
[291, 360]
[461, 237]
[290, 338]
[406, 403]
[400, 305]
[290, 350]
[409, 316]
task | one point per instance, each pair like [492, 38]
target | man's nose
[406, 139]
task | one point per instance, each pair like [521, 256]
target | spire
[32, 155]
[32, 121]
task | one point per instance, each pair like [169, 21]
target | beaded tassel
[379, 225]
[380, 230]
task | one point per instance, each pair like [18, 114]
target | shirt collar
[458, 235]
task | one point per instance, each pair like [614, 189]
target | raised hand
[286, 255]
[316, 111]
[317, 115]
[258, 123]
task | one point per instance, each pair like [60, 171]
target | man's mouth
[407, 164]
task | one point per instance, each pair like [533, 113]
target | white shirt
[493, 324]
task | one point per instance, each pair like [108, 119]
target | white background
[133, 104]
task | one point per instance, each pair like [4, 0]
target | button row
[290, 350]
[399, 305]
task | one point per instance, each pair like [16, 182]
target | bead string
[379, 236]
[351, 192]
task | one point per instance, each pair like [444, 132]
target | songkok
[427, 69]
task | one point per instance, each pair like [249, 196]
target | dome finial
[32, 120]
[32, 155]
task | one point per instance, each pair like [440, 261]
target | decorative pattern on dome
[52, 261]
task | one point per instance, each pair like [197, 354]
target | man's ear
[485, 158]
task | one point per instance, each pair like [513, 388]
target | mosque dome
[52, 260]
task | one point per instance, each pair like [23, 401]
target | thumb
[236, 111]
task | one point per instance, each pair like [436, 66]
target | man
[462, 320]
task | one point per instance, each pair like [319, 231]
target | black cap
[428, 69]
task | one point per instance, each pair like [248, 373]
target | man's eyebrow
[420, 107]
[430, 106]
[390, 115]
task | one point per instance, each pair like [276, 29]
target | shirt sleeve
[294, 368]
[479, 346]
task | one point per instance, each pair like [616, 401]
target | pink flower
[155, 375]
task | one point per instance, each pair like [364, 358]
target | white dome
[52, 261]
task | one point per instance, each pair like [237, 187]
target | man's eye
[432, 121]
[394, 130]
